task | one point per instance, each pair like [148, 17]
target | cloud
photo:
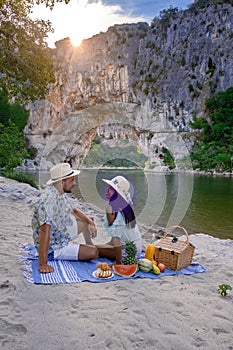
[147, 8]
[81, 19]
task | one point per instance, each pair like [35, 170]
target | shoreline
[15, 190]
[174, 312]
[165, 171]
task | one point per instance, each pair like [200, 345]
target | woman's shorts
[70, 252]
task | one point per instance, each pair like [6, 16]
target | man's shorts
[70, 252]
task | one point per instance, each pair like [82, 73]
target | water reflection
[212, 206]
[198, 203]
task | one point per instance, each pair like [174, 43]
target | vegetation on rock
[213, 147]
[168, 159]
[199, 4]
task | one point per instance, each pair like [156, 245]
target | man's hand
[45, 268]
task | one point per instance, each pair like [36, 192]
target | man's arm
[43, 249]
[83, 217]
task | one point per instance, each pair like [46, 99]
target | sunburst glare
[80, 19]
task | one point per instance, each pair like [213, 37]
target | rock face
[18, 191]
[152, 79]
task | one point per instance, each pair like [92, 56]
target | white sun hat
[122, 186]
[60, 172]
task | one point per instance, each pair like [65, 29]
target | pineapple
[131, 251]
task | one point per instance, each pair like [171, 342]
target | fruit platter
[131, 265]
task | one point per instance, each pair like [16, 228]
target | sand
[176, 312]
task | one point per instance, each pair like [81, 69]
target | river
[199, 203]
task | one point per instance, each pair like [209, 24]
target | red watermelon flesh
[125, 270]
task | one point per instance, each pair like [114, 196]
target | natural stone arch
[71, 140]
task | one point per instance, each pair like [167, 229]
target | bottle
[150, 249]
[152, 240]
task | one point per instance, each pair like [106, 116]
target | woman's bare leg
[110, 252]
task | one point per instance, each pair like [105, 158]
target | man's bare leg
[87, 252]
[104, 250]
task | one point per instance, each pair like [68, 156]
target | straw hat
[122, 186]
[60, 172]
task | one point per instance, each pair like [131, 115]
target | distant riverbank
[31, 166]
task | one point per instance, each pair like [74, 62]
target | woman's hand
[87, 220]
[92, 229]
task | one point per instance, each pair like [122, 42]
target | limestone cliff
[150, 78]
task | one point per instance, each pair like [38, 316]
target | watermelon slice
[125, 270]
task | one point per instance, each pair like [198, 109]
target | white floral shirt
[55, 210]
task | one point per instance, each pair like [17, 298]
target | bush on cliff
[13, 119]
[213, 148]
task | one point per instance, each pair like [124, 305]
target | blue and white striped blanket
[79, 271]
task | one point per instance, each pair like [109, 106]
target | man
[56, 222]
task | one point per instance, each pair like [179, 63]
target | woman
[120, 220]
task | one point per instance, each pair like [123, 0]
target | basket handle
[171, 228]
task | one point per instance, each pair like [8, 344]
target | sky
[81, 19]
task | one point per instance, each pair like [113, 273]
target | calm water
[196, 202]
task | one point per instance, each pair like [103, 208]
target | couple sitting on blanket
[55, 221]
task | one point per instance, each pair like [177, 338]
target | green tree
[167, 13]
[12, 146]
[96, 154]
[14, 112]
[25, 60]
[4, 109]
[102, 154]
[168, 158]
[50, 3]
[164, 15]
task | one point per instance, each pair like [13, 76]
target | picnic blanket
[79, 271]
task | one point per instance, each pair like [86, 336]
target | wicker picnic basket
[173, 252]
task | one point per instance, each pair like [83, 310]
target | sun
[83, 24]
[75, 40]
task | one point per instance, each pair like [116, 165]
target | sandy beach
[172, 313]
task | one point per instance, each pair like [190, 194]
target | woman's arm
[110, 215]
[43, 249]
